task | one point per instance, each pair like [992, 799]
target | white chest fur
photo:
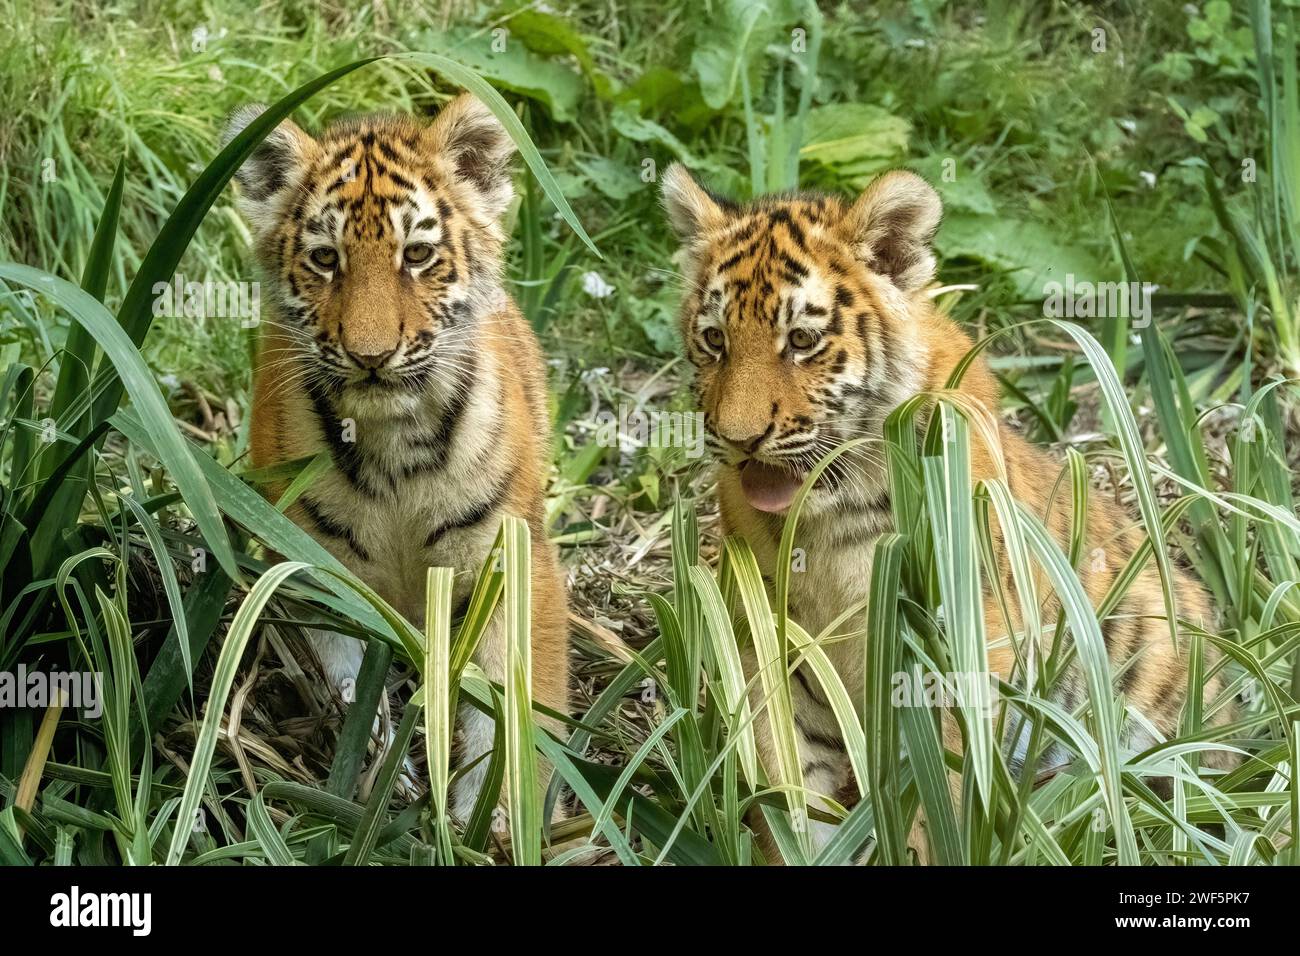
[411, 487]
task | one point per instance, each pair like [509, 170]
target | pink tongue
[766, 487]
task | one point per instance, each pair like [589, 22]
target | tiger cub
[394, 345]
[807, 322]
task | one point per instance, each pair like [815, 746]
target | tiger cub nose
[371, 359]
[743, 438]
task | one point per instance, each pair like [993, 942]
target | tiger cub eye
[803, 339]
[325, 257]
[714, 337]
[417, 254]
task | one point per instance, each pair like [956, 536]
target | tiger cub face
[796, 319]
[383, 241]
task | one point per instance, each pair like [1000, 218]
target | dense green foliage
[1148, 142]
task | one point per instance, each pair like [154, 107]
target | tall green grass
[117, 478]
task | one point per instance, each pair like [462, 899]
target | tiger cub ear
[891, 225]
[269, 177]
[466, 134]
[692, 210]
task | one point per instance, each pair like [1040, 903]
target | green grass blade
[925, 753]
[775, 681]
[354, 740]
[168, 676]
[566, 767]
[946, 467]
[841, 703]
[268, 837]
[247, 508]
[439, 718]
[521, 755]
[366, 836]
[725, 652]
[879, 713]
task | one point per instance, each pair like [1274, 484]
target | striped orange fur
[393, 345]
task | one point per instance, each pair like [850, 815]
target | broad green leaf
[508, 64]
[856, 139]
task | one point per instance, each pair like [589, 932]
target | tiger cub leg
[822, 757]
[475, 730]
[549, 650]
[339, 656]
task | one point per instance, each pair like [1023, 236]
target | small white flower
[170, 381]
[595, 286]
[1129, 126]
[1148, 178]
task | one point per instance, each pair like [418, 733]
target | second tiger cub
[807, 322]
